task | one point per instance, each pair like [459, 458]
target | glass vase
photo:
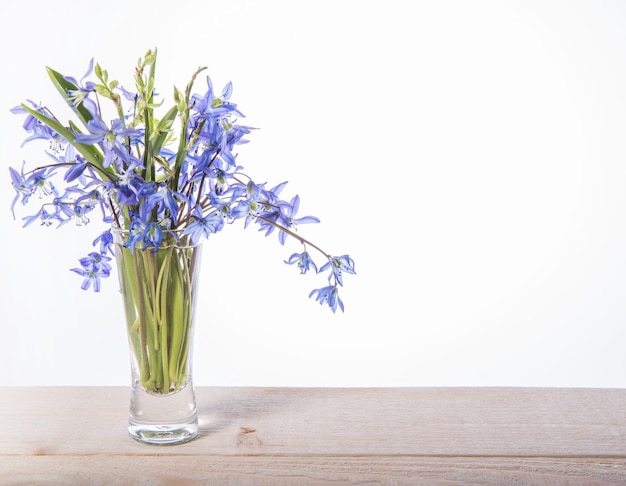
[159, 292]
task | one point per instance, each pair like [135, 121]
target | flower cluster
[135, 174]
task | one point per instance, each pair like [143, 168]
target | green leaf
[64, 86]
[162, 130]
[179, 98]
[149, 58]
[77, 130]
[103, 90]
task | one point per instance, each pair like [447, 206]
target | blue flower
[135, 234]
[338, 265]
[161, 198]
[80, 213]
[42, 215]
[203, 226]
[328, 295]
[208, 106]
[75, 171]
[290, 211]
[96, 260]
[227, 206]
[79, 95]
[250, 201]
[40, 184]
[91, 199]
[94, 267]
[282, 214]
[38, 129]
[105, 240]
[22, 187]
[112, 139]
[152, 236]
[303, 260]
[144, 236]
[126, 189]
[76, 163]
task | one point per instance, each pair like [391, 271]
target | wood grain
[77, 435]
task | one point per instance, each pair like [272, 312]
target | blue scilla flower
[37, 129]
[82, 89]
[203, 226]
[338, 265]
[303, 261]
[92, 199]
[112, 139]
[96, 260]
[210, 106]
[76, 164]
[282, 214]
[328, 295]
[136, 232]
[40, 182]
[94, 267]
[105, 242]
[46, 218]
[161, 198]
[22, 186]
[144, 236]
[75, 171]
[153, 236]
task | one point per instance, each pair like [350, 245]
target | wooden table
[276, 436]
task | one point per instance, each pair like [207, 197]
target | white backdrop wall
[470, 156]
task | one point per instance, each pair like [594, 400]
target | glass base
[163, 419]
[163, 434]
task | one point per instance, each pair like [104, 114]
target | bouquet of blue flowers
[155, 179]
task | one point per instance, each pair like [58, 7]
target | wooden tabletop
[276, 436]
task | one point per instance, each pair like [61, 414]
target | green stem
[302, 240]
[179, 302]
[145, 359]
[147, 154]
[183, 146]
[158, 302]
[186, 277]
[163, 316]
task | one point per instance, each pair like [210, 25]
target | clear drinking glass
[159, 292]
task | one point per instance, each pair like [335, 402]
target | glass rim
[181, 240]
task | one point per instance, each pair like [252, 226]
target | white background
[470, 156]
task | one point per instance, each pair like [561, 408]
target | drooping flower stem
[296, 236]
[158, 288]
